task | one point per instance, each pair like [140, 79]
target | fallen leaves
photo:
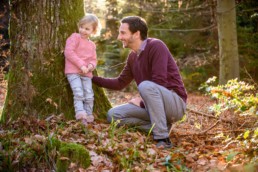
[125, 148]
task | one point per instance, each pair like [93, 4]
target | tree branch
[186, 30]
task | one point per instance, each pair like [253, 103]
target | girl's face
[86, 30]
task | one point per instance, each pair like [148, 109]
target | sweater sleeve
[159, 63]
[70, 47]
[93, 60]
[124, 78]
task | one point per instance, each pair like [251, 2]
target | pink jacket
[79, 52]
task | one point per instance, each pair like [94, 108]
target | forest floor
[201, 142]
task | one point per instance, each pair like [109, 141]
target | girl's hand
[84, 69]
[90, 67]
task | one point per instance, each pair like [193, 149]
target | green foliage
[194, 76]
[37, 150]
[242, 99]
[173, 162]
[234, 95]
[133, 154]
[231, 156]
[112, 129]
[110, 56]
[6, 156]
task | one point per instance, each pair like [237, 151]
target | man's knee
[113, 115]
[110, 115]
[146, 86]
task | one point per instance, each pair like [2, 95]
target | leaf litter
[216, 149]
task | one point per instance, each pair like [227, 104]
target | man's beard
[128, 43]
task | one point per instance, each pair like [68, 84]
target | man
[151, 65]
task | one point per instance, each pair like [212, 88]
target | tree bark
[36, 82]
[228, 47]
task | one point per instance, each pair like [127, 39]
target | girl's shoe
[89, 118]
[82, 116]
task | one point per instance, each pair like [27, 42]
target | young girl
[80, 61]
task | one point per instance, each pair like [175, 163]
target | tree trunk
[36, 82]
[228, 47]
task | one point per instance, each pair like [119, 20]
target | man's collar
[142, 47]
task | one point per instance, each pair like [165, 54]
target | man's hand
[136, 101]
[84, 69]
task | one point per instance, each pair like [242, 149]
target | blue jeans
[83, 94]
[162, 107]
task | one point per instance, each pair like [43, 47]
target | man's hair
[91, 19]
[136, 23]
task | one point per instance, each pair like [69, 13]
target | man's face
[125, 36]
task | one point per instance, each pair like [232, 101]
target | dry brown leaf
[189, 159]
[151, 152]
[82, 170]
[213, 162]
[222, 166]
[64, 132]
[28, 140]
[202, 161]
[40, 138]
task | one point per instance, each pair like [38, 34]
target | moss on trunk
[72, 153]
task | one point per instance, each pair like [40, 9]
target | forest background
[190, 31]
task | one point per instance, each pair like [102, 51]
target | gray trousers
[162, 107]
[83, 95]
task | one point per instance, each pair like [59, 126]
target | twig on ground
[215, 133]
[210, 116]
[250, 76]
[242, 125]
[233, 141]
[205, 131]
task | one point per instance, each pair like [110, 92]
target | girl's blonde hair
[91, 19]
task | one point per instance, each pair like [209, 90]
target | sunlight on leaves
[246, 134]
[197, 125]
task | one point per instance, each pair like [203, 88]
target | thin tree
[228, 47]
[36, 82]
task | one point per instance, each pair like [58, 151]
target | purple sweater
[155, 63]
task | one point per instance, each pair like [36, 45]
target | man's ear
[138, 34]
